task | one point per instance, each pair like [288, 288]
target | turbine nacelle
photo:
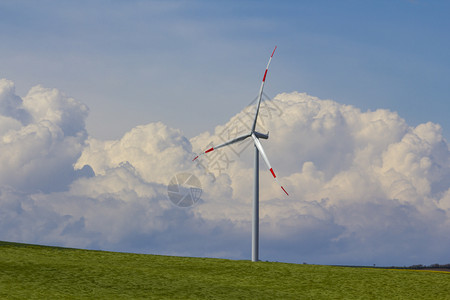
[261, 135]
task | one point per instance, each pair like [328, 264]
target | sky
[102, 103]
[181, 61]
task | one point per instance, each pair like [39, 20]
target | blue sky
[193, 64]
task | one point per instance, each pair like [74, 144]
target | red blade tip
[209, 150]
[273, 173]
[264, 78]
[273, 51]
[195, 158]
[284, 190]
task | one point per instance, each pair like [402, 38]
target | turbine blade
[266, 160]
[261, 151]
[238, 139]
[258, 103]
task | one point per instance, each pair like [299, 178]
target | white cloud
[340, 159]
[42, 138]
[154, 150]
[364, 186]
[50, 105]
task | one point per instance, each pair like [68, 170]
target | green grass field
[29, 271]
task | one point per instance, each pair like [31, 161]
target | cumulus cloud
[42, 137]
[365, 187]
[153, 150]
[379, 185]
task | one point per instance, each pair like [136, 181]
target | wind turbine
[258, 150]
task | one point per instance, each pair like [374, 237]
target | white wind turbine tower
[258, 149]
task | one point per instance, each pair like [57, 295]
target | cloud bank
[365, 187]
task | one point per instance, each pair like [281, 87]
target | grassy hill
[30, 271]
